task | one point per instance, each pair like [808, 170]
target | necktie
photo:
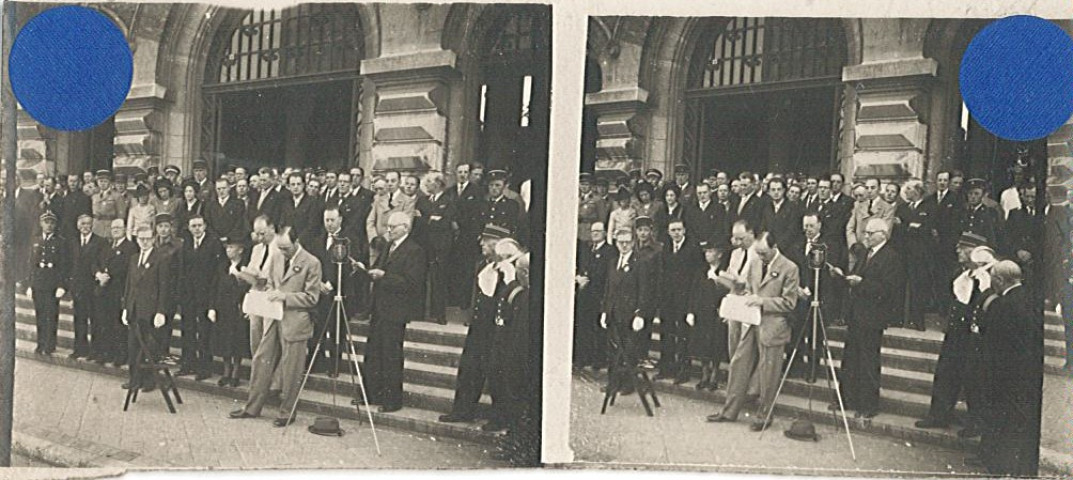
[392, 249]
[621, 262]
[763, 270]
[197, 244]
[287, 265]
[870, 202]
[676, 247]
[744, 261]
[264, 260]
[84, 242]
[141, 259]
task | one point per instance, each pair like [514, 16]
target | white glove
[603, 321]
[638, 324]
[657, 321]
[123, 318]
[158, 320]
[177, 317]
[30, 293]
[509, 272]
[212, 316]
[60, 292]
[691, 319]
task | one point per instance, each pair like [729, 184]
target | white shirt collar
[1011, 287]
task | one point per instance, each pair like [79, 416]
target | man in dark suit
[1021, 238]
[355, 203]
[780, 216]
[705, 219]
[466, 196]
[398, 292]
[297, 210]
[437, 232]
[978, 218]
[1057, 229]
[201, 257]
[681, 179]
[266, 199]
[915, 238]
[834, 213]
[749, 206]
[49, 267]
[682, 260]
[85, 249]
[75, 203]
[628, 303]
[474, 368]
[147, 299]
[27, 218]
[1013, 337]
[498, 209]
[110, 280]
[225, 216]
[321, 247]
[876, 291]
[590, 341]
[831, 291]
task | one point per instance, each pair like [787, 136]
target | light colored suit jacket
[301, 286]
[860, 217]
[376, 222]
[778, 290]
[272, 268]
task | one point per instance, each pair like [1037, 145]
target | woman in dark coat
[230, 328]
[190, 206]
[669, 210]
[708, 333]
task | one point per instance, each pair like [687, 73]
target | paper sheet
[257, 303]
[735, 309]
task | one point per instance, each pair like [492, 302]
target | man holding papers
[771, 283]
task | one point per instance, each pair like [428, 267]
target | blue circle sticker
[1017, 77]
[70, 68]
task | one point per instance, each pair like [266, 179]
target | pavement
[679, 435]
[75, 418]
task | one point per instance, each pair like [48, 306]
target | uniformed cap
[48, 216]
[495, 231]
[602, 182]
[317, 171]
[653, 171]
[969, 239]
[681, 168]
[200, 164]
[976, 183]
[121, 178]
[497, 175]
[172, 169]
[104, 172]
[585, 177]
[643, 221]
[163, 218]
[708, 245]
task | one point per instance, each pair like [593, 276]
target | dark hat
[162, 218]
[970, 239]
[239, 240]
[643, 187]
[495, 231]
[120, 178]
[623, 193]
[976, 183]
[172, 169]
[231, 168]
[802, 430]
[497, 175]
[201, 164]
[104, 172]
[681, 168]
[326, 426]
[654, 171]
[708, 245]
[48, 216]
[316, 171]
[602, 182]
[141, 177]
[585, 177]
[643, 221]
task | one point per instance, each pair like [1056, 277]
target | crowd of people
[656, 256]
[160, 253]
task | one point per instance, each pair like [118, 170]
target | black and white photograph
[798, 251]
[305, 239]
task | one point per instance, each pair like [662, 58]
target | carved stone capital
[620, 128]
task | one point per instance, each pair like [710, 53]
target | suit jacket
[227, 220]
[300, 285]
[355, 209]
[835, 215]
[270, 264]
[304, 219]
[1057, 225]
[269, 206]
[877, 301]
[864, 211]
[399, 296]
[778, 290]
[503, 212]
[49, 263]
[784, 224]
[198, 275]
[663, 218]
[678, 268]
[149, 286]
[629, 290]
[947, 215]
[434, 229]
[594, 265]
[836, 256]
[466, 209]
[983, 220]
[182, 217]
[1022, 232]
[74, 204]
[707, 225]
[318, 246]
[915, 234]
[752, 211]
[376, 223]
[83, 264]
[114, 260]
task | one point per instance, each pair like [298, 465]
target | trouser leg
[946, 384]
[472, 367]
[265, 362]
[204, 345]
[769, 372]
[292, 360]
[742, 366]
[394, 364]
[82, 311]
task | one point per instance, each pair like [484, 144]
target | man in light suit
[284, 344]
[772, 284]
[868, 206]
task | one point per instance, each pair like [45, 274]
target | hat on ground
[201, 164]
[643, 221]
[681, 168]
[585, 177]
[802, 430]
[48, 216]
[172, 169]
[495, 231]
[162, 218]
[653, 171]
[326, 426]
[104, 172]
[969, 239]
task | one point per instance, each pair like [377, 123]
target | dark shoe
[241, 413]
[759, 426]
[389, 408]
[931, 423]
[713, 386]
[493, 426]
[73, 356]
[968, 432]
[701, 385]
[456, 418]
[223, 382]
[185, 372]
[283, 422]
[234, 382]
[126, 386]
[975, 462]
[201, 376]
[719, 418]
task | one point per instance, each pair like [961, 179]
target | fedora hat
[326, 426]
[802, 430]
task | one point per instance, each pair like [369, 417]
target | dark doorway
[93, 149]
[589, 135]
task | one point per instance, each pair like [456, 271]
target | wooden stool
[158, 371]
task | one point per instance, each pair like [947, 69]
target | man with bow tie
[85, 250]
[49, 266]
[629, 303]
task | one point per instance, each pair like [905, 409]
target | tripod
[818, 339]
[148, 365]
[342, 326]
[632, 370]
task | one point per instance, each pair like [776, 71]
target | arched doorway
[281, 88]
[763, 94]
[515, 72]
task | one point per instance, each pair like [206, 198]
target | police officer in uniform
[591, 209]
[108, 205]
[979, 218]
[48, 281]
[499, 210]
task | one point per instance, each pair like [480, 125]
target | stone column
[891, 130]
[619, 126]
[410, 114]
[138, 131]
[36, 145]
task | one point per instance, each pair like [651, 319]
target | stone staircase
[432, 355]
[909, 359]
